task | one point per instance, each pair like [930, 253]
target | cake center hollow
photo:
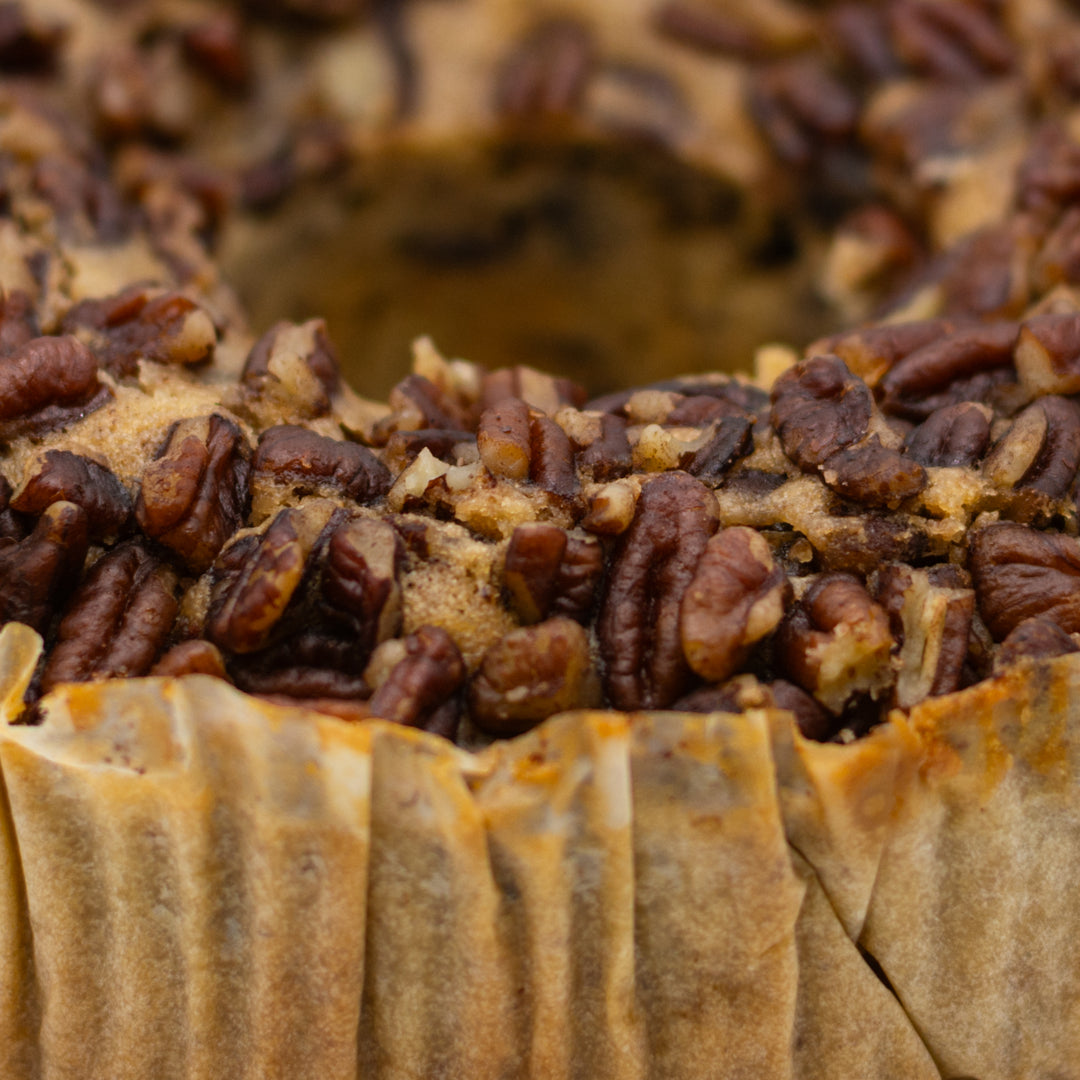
[609, 264]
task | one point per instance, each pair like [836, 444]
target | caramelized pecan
[193, 494]
[38, 572]
[296, 364]
[403, 447]
[551, 572]
[217, 46]
[547, 72]
[12, 525]
[732, 439]
[48, 383]
[141, 323]
[654, 562]
[1021, 573]
[870, 351]
[63, 476]
[531, 674]
[503, 439]
[18, 321]
[422, 689]
[417, 403]
[819, 407]
[954, 368]
[956, 435]
[706, 28]
[118, 619]
[835, 643]
[551, 459]
[537, 389]
[309, 463]
[737, 596]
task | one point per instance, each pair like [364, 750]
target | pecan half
[870, 351]
[531, 674]
[1021, 573]
[654, 562]
[548, 571]
[608, 456]
[956, 435]
[310, 463]
[422, 689]
[518, 445]
[255, 579]
[64, 476]
[118, 620]
[736, 597]
[1038, 638]
[193, 494]
[1040, 451]
[819, 407]
[546, 74]
[38, 572]
[296, 366]
[49, 383]
[957, 42]
[360, 579]
[958, 367]
[836, 642]
[140, 323]
[873, 474]
[546, 393]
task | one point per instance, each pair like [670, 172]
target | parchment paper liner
[218, 887]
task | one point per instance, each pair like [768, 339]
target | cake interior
[613, 265]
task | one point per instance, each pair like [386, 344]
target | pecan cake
[635, 698]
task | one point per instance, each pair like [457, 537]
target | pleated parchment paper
[198, 885]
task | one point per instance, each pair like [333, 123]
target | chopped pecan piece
[63, 476]
[819, 407]
[1048, 354]
[141, 323]
[196, 657]
[118, 620]
[546, 74]
[193, 494]
[931, 622]
[835, 643]
[531, 674]
[654, 562]
[295, 365]
[310, 462]
[38, 572]
[403, 447]
[954, 368]
[1021, 573]
[608, 456]
[550, 572]
[1038, 638]
[422, 689]
[48, 383]
[416, 403]
[956, 435]
[732, 440]
[1040, 451]
[737, 596]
